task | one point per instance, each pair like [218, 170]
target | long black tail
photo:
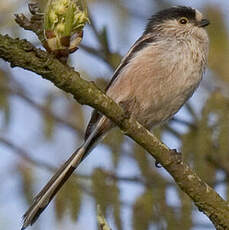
[41, 201]
[64, 172]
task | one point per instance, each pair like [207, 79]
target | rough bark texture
[22, 54]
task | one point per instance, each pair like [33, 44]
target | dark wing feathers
[138, 45]
[95, 117]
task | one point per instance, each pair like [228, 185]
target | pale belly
[154, 97]
[153, 87]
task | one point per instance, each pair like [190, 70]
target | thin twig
[42, 109]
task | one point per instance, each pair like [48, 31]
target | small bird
[155, 78]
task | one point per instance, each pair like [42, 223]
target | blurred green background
[40, 126]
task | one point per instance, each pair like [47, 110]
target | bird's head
[179, 22]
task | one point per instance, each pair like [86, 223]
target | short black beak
[204, 22]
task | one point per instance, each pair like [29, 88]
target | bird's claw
[157, 164]
[176, 152]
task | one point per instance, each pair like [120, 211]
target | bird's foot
[176, 152]
[157, 164]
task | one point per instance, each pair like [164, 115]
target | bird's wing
[138, 45]
[98, 125]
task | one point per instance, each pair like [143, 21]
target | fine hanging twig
[103, 225]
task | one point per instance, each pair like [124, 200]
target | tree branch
[21, 53]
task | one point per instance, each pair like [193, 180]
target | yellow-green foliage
[219, 49]
[48, 121]
[143, 211]
[4, 98]
[27, 178]
[69, 199]
[65, 17]
[107, 194]
[115, 146]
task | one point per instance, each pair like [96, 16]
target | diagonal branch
[21, 53]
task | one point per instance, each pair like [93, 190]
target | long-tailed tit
[154, 79]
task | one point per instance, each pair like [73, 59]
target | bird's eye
[183, 20]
